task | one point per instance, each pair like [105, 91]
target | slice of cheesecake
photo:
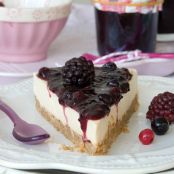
[90, 106]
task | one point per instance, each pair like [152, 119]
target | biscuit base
[113, 131]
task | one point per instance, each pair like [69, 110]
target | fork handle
[9, 112]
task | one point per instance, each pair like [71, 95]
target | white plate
[127, 154]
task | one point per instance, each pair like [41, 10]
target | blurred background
[81, 1]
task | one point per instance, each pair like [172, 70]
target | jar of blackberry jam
[166, 24]
[126, 25]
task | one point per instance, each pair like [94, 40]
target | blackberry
[124, 87]
[113, 83]
[47, 73]
[78, 72]
[110, 66]
[162, 105]
[160, 126]
[44, 73]
[106, 98]
[126, 74]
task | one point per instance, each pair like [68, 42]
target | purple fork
[23, 131]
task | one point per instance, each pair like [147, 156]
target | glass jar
[166, 24]
[166, 17]
[126, 27]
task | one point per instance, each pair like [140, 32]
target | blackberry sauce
[127, 31]
[93, 101]
[165, 18]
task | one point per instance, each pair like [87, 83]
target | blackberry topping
[124, 87]
[78, 72]
[90, 92]
[162, 105]
[116, 94]
[106, 98]
[44, 73]
[72, 99]
[125, 74]
[65, 97]
[110, 66]
[113, 83]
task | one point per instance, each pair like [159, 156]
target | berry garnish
[78, 72]
[110, 66]
[162, 105]
[113, 83]
[160, 125]
[44, 73]
[124, 87]
[106, 98]
[146, 136]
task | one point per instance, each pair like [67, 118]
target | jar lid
[129, 6]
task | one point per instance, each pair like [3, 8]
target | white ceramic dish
[127, 154]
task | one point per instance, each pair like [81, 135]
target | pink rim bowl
[26, 33]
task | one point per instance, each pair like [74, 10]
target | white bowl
[34, 10]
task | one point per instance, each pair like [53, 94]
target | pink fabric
[27, 42]
[127, 56]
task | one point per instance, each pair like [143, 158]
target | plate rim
[168, 159]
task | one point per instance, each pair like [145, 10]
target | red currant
[146, 136]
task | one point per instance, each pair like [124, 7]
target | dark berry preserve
[102, 87]
[125, 31]
[166, 16]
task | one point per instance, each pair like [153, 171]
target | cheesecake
[89, 105]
